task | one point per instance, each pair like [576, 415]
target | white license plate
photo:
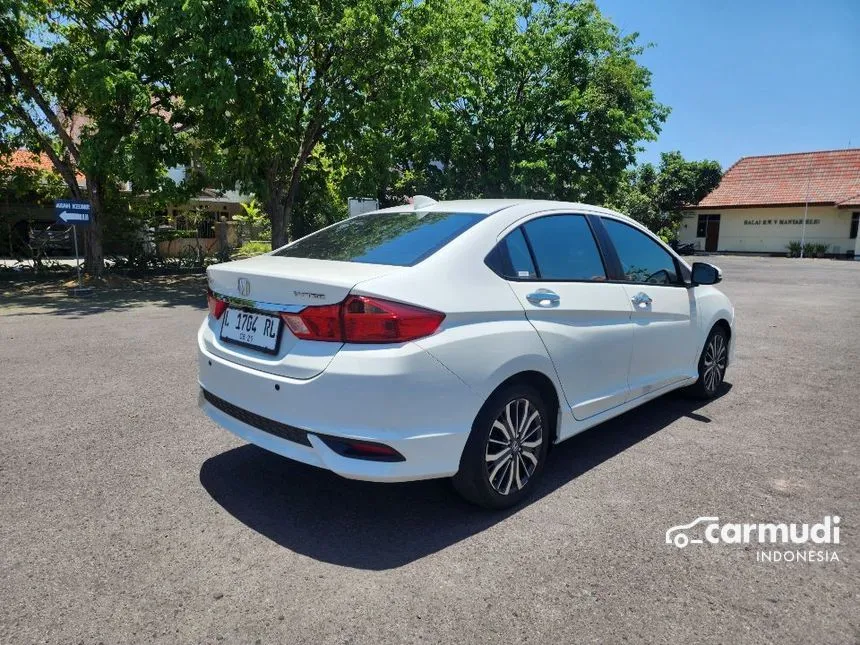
[257, 331]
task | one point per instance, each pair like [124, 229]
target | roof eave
[700, 207]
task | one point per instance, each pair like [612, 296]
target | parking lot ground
[127, 516]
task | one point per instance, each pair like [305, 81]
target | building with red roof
[20, 217]
[764, 203]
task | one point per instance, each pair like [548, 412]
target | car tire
[712, 365]
[519, 459]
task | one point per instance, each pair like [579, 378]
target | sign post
[77, 213]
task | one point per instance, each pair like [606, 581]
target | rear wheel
[712, 365]
[506, 450]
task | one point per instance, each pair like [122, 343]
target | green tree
[87, 83]
[31, 185]
[683, 183]
[273, 79]
[658, 196]
[549, 101]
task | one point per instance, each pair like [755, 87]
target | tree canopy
[304, 102]
[657, 196]
[88, 84]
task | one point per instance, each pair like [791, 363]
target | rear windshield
[401, 239]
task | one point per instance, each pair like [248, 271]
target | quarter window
[564, 248]
[511, 258]
[642, 259]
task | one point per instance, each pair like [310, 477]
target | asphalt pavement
[127, 516]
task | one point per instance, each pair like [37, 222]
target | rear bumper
[399, 396]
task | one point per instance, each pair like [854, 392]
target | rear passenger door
[664, 310]
[558, 274]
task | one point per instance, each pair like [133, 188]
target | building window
[855, 219]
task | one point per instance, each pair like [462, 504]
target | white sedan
[456, 339]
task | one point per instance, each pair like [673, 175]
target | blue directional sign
[72, 211]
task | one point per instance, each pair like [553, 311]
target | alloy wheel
[514, 446]
[715, 362]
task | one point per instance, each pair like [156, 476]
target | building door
[712, 234]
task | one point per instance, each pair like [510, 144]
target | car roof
[491, 206]
[503, 213]
[479, 206]
[494, 206]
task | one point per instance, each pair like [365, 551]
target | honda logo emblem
[244, 287]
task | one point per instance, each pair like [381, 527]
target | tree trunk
[279, 204]
[94, 260]
[274, 207]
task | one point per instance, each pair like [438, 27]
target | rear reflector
[362, 449]
[360, 319]
[216, 306]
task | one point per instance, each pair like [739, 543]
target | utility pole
[806, 206]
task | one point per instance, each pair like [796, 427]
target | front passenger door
[664, 310]
[559, 277]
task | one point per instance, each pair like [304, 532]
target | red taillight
[371, 320]
[360, 319]
[316, 323]
[216, 305]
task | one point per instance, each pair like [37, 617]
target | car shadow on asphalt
[54, 299]
[374, 526]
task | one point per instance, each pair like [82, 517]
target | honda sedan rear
[455, 339]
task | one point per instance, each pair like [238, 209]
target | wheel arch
[545, 387]
[723, 324]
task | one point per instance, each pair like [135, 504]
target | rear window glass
[401, 239]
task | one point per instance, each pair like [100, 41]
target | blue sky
[749, 78]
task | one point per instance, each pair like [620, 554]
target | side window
[521, 259]
[564, 248]
[642, 259]
[511, 257]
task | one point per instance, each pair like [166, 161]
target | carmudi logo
[780, 542]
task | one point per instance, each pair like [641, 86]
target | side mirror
[704, 273]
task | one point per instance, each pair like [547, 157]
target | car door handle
[544, 298]
[641, 299]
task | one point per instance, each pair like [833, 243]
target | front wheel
[506, 450]
[712, 365]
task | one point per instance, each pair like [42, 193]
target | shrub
[668, 234]
[793, 249]
[820, 250]
[255, 247]
[810, 249]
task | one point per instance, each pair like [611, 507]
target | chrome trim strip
[258, 304]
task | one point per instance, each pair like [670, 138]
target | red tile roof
[827, 177]
[33, 161]
[27, 159]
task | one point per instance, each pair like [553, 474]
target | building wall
[769, 230]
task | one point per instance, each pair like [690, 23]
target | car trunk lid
[269, 285]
